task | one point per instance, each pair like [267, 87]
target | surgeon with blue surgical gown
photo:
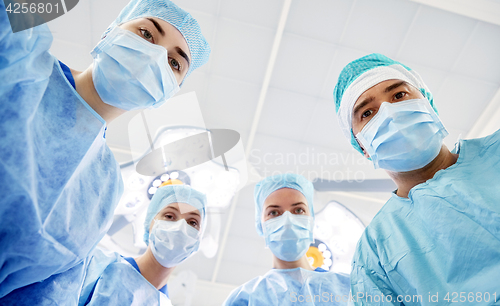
[174, 226]
[284, 216]
[59, 181]
[437, 239]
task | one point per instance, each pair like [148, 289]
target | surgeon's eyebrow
[394, 86]
[183, 54]
[173, 207]
[194, 212]
[273, 205]
[298, 203]
[362, 104]
[157, 26]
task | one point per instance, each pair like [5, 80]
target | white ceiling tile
[302, 64]
[323, 128]
[341, 58]
[269, 154]
[436, 38]
[242, 225]
[197, 82]
[246, 201]
[229, 103]
[318, 19]
[316, 161]
[296, 110]
[241, 51]
[74, 55]
[103, 13]
[206, 6]
[379, 26]
[433, 78]
[74, 26]
[480, 57]
[461, 101]
[259, 12]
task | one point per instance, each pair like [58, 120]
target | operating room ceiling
[271, 75]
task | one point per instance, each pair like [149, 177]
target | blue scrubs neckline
[67, 74]
[133, 263]
[439, 173]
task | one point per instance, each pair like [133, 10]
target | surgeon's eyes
[366, 113]
[299, 211]
[273, 213]
[400, 95]
[147, 35]
[193, 223]
[170, 217]
[175, 64]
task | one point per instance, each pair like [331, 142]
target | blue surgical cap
[174, 194]
[361, 75]
[171, 13]
[272, 183]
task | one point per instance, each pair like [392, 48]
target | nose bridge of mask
[287, 220]
[147, 52]
[386, 112]
[178, 226]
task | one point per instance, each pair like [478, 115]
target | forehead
[182, 208]
[285, 196]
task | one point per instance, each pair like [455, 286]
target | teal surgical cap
[175, 194]
[361, 75]
[171, 13]
[272, 183]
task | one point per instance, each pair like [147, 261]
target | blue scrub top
[55, 168]
[132, 262]
[443, 240]
[288, 287]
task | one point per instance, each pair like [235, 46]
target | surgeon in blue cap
[174, 226]
[59, 181]
[284, 216]
[437, 239]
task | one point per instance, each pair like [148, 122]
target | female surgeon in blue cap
[59, 180]
[284, 216]
[174, 226]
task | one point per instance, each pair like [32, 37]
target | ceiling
[271, 75]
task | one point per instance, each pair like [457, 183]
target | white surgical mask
[172, 242]
[132, 73]
[403, 136]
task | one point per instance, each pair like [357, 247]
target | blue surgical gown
[59, 181]
[112, 280]
[441, 245]
[292, 287]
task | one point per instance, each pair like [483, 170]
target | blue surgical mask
[403, 136]
[132, 73]
[289, 236]
[172, 242]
